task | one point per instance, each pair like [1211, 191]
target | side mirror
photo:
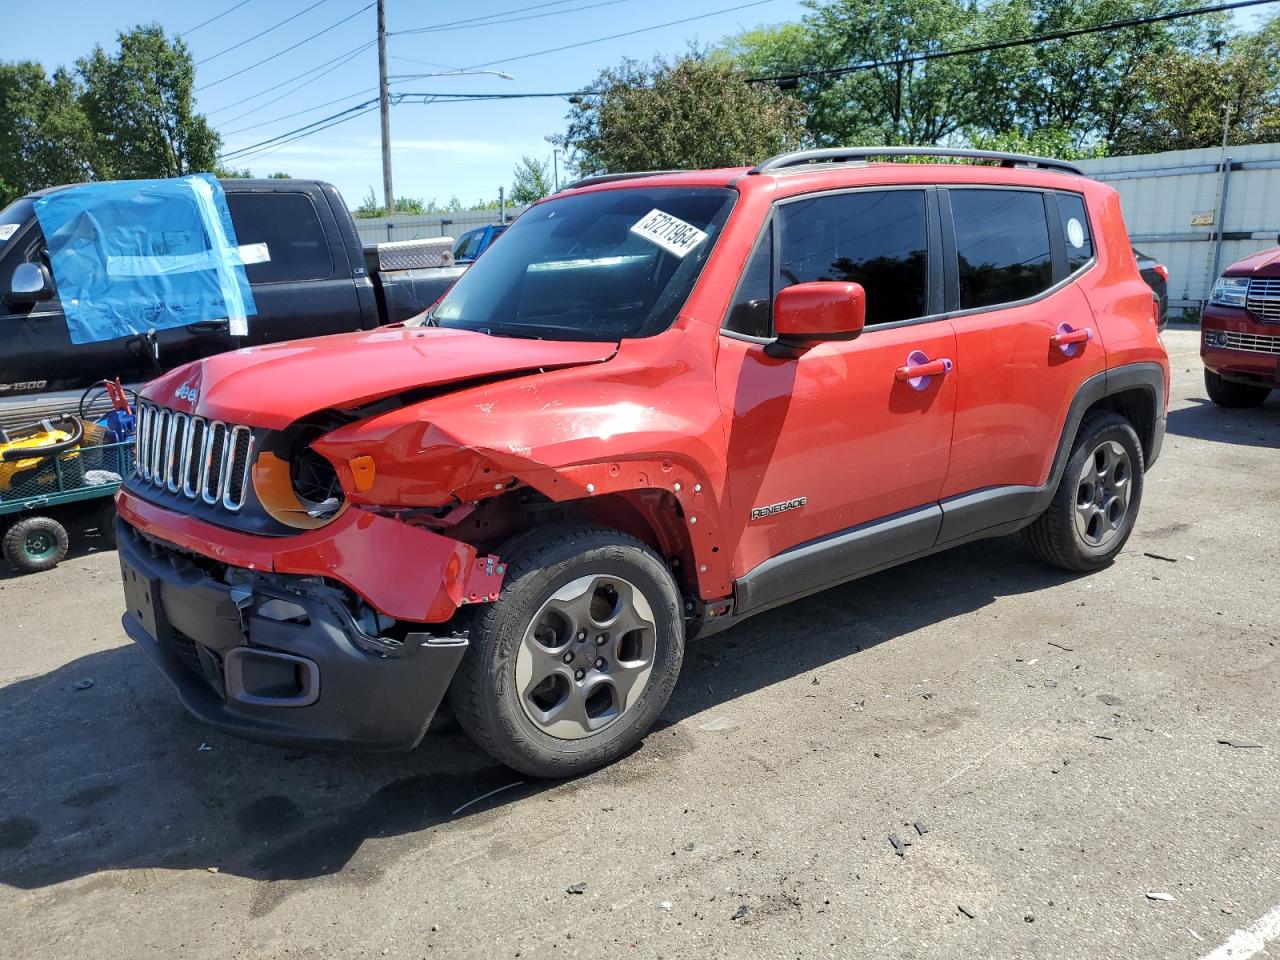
[30, 283]
[807, 313]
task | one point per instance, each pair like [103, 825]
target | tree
[43, 132]
[138, 104]
[531, 180]
[1187, 98]
[887, 101]
[690, 113]
[1080, 85]
[123, 115]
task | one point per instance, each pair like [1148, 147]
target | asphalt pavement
[1057, 738]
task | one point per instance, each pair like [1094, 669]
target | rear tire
[572, 665]
[34, 544]
[1096, 504]
[1228, 393]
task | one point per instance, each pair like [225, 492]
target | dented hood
[272, 386]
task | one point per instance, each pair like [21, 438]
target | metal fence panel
[1171, 206]
[430, 225]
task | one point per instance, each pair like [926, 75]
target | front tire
[1096, 504]
[1228, 393]
[572, 665]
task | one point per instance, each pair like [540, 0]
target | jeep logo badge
[187, 392]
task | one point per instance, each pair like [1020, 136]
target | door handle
[918, 372]
[1070, 340]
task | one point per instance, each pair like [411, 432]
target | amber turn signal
[362, 472]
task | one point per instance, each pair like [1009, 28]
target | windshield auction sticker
[7, 230]
[670, 233]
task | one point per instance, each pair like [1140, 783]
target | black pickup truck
[319, 279]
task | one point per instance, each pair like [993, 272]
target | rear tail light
[1161, 269]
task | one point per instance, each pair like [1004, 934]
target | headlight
[1230, 291]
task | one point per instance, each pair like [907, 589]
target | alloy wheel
[1102, 494]
[586, 657]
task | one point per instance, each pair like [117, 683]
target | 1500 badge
[759, 513]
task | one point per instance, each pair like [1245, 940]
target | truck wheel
[1228, 393]
[1096, 503]
[574, 662]
[35, 543]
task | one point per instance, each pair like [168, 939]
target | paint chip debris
[1159, 895]
[1239, 744]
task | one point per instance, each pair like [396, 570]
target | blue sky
[439, 149]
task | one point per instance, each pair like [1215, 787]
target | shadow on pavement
[1259, 427]
[118, 776]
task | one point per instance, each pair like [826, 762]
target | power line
[297, 113]
[267, 151]
[628, 33]
[217, 16]
[306, 128]
[1008, 44]
[274, 56]
[487, 16]
[275, 88]
[263, 33]
[495, 23]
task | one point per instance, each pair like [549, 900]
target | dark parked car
[318, 279]
[1157, 276]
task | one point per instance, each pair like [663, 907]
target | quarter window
[1002, 241]
[752, 310]
[1075, 230]
[290, 227]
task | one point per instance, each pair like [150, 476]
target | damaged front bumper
[278, 656]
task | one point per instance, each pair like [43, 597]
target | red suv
[664, 402]
[1240, 332]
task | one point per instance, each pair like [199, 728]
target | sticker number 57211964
[670, 233]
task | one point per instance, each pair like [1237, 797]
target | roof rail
[611, 177]
[843, 154]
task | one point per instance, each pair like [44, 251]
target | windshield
[596, 266]
[12, 218]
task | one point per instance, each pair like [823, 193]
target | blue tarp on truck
[139, 255]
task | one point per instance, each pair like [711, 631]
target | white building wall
[1170, 203]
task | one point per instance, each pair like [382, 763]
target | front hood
[1264, 263]
[273, 386]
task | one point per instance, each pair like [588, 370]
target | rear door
[302, 279]
[1012, 258]
[829, 439]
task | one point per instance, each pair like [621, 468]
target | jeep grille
[196, 458]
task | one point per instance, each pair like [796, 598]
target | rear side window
[1075, 230]
[288, 225]
[1002, 242]
[876, 238]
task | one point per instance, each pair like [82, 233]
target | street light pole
[384, 107]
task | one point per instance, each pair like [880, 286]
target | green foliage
[1067, 97]
[123, 115]
[1187, 98]
[531, 180]
[371, 209]
[1048, 142]
[691, 113]
[231, 173]
[280, 175]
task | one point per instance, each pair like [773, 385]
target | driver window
[876, 238]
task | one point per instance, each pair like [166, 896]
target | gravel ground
[1057, 736]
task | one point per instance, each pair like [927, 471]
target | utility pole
[555, 169]
[384, 107]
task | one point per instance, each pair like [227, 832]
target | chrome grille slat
[1263, 299]
[1253, 342]
[193, 457]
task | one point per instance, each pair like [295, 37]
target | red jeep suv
[1240, 332]
[664, 402]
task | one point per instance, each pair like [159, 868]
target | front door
[830, 448]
